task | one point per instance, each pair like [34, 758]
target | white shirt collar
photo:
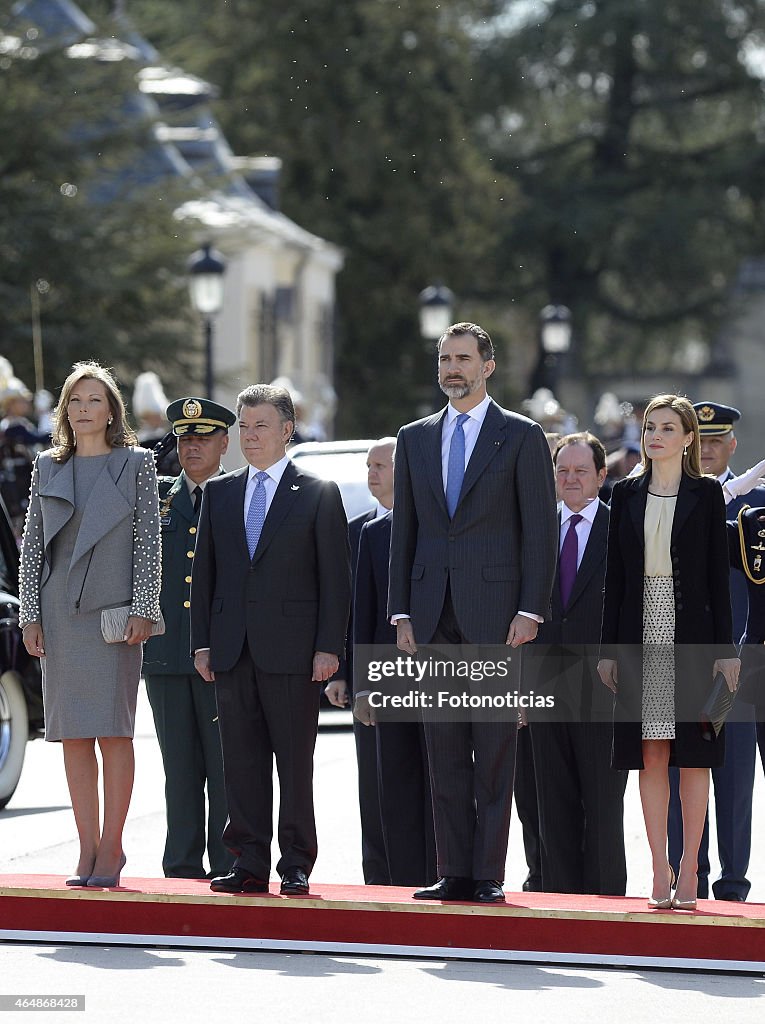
[275, 472]
[588, 512]
[478, 412]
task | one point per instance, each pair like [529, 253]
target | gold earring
[110, 421]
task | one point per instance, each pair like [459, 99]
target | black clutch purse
[717, 708]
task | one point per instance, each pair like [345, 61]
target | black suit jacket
[498, 552]
[567, 643]
[355, 526]
[370, 622]
[293, 598]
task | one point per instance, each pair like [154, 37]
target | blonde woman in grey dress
[91, 541]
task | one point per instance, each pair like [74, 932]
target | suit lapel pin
[295, 487]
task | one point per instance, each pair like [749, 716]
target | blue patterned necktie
[256, 513]
[455, 470]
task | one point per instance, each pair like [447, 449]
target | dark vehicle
[21, 708]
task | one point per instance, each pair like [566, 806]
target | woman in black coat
[667, 607]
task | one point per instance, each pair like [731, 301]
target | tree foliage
[82, 225]
[367, 104]
[605, 154]
[633, 132]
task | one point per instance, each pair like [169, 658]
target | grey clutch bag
[114, 624]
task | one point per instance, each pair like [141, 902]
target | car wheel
[14, 732]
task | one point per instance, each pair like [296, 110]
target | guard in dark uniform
[184, 708]
[746, 543]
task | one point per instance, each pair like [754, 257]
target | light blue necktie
[256, 513]
[455, 470]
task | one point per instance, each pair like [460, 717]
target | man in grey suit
[473, 553]
[270, 595]
[581, 798]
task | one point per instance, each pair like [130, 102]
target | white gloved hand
[738, 485]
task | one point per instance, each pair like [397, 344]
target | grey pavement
[37, 836]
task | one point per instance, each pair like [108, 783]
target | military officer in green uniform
[183, 704]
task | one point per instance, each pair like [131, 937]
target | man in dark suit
[406, 809]
[472, 561]
[734, 782]
[183, 705]
[270, 596]
[338, 691]
[581, 799]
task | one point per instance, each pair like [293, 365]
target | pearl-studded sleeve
[32, 554]
[147, 554]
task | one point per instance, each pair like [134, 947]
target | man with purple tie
[581, 799]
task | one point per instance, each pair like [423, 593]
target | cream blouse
[657, 528]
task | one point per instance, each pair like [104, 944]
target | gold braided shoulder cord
[744, 560]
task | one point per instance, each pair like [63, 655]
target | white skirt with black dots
[658, 658]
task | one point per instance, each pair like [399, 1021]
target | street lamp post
[554, 343]
[436, 308]
[436, 304]
[206, 270]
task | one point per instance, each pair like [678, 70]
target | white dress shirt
[471, 428]
[271, 482]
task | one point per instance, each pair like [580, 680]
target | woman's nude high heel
[666, 902]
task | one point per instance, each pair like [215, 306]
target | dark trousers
[471, 781]
[373, 859]
[407, 810]
[526, 804]
[733, 786]
[264, 715]
[581, 808]
[761, 741]
[186, 720]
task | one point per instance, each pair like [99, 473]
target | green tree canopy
[633, 130]
[85, 221]
[367, 103]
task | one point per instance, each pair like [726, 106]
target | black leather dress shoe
[487, 890]
[732, 897]
[294, 882]
[238, 880]
[532, 885]
[449, 887]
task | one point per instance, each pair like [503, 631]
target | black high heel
[107, 881]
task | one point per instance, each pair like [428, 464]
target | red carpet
[610, 931]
